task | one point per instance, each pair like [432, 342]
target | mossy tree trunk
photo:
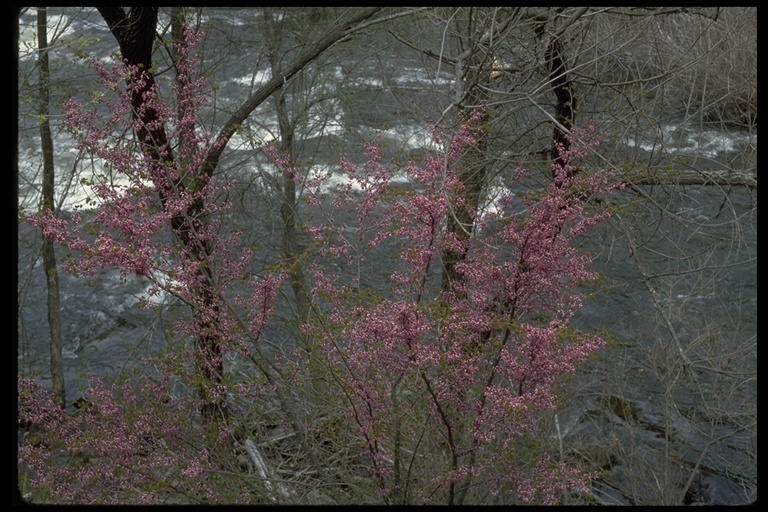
[49, 256]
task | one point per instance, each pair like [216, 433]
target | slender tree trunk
[339, 32]
[49, 257]
[177, 38]
[288, 200]
[290, 248]
[472, 174]
[473, 74]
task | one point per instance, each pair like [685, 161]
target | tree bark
[565, 108]
[49, 256]
[474, 69]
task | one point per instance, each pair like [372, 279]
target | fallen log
[723, 177]
[263, 469]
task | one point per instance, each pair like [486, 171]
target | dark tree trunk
[49, 257]
[135, 33]
[565, 107]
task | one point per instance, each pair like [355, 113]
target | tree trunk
[473, 74]
[49, 257]
[565, 107]
[288, 200]
[135, 33]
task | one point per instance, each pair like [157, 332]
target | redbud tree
[439, 388]
[443, 385]
[154, 184]
[154, 214]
